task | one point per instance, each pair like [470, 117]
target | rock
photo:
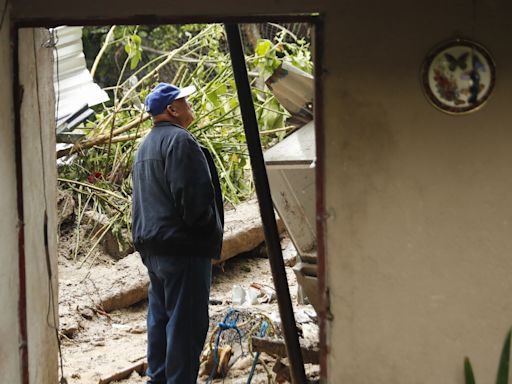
[125, 286]
[289, 252]
[65, 209]
[243, 230]
[70, 329]
[87, 313]
[243, 363]
[138, 329]
[282, 372]
[121, 327]
[110, 244]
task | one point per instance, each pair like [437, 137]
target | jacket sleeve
[189, 180]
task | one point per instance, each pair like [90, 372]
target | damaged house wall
[39, 200]
[417, 202]
[9, 287]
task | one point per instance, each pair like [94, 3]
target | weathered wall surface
[420, 236]
[39, 196]
[419, 239]
[9, 325]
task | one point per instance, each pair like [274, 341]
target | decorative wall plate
[458, 76]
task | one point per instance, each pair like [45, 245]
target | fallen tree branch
[108, 40]
[102, 139]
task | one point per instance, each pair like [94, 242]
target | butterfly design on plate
[454, 62]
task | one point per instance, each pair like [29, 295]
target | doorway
[97, 176]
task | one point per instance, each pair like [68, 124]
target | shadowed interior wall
[419, 229]
[418, 202]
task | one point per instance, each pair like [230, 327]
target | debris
[138, 329]
[207, 365]
[276, 318]
[277, 347]
[243, 230]
[140, 368]
[252, 295]
[237, 295]
[127, 286]
[87, 313]
[310, 334]
[282, 372]
[289, 252]
[65, 207]
[101, 226]
[243, 363]
[306, 274]
[304, 316]
[98, 343]
[69, 327]
[121, 327]
[267, 293]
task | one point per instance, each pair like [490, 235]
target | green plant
[503, 368]
[142, 56]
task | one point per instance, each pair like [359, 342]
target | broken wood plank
[278, 348]
[140, 368]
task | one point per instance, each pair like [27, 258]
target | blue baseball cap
[163, 95]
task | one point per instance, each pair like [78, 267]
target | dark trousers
[177, 316]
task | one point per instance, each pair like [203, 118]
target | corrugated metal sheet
[74, 86]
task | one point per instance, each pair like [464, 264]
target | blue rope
[229, 322]
[263, 331]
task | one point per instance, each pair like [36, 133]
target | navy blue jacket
[177, 207]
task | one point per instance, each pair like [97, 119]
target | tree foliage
[132, 62]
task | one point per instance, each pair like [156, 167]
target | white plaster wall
[39, 195]
[9, 282]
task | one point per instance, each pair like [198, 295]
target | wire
[263, 332]
[230, 322]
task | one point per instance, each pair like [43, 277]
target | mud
[98, 342]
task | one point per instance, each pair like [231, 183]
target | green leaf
[222, 89]
[233, 102]
[136, 39]
[214, 99]
[263, 47]
[469, 377]
[504, 361]
[134, 61]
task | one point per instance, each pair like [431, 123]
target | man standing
[178, 222]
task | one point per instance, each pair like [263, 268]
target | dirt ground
[96, 344]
